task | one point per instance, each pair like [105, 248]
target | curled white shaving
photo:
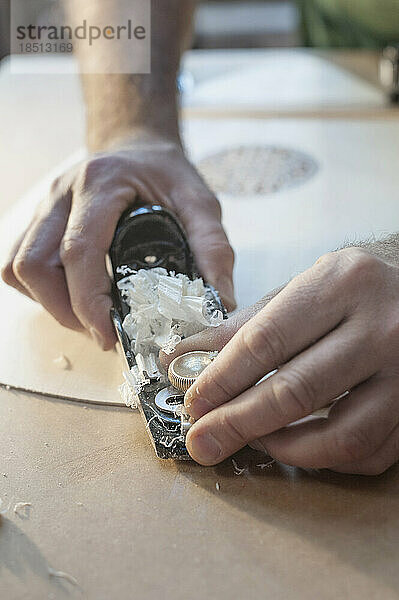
[170, 344]
[266, 465]
[185, 424]
[62, 575]
[239, 470]
[124, 270]
[63, 362]
[217, 485]
[20, 508]
[147, 366]
[128, 395]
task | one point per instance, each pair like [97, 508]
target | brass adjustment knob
[185, 369]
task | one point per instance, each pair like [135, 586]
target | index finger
[88, 236]
[213, 253]
[308, 308]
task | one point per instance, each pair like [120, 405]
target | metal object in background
[247, 24]
[146, 238]
[389, 72]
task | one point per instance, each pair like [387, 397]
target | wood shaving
[63, 362]
[266, 465]
[217, 485]
[62, 575]
[239, 470]
[164, 309]
[20, 508]
[128, 394]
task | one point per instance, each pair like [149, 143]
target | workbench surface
[127, 525]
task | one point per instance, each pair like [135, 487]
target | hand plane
[147, 238]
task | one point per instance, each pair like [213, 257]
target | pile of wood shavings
[256, 170]
[164, 309]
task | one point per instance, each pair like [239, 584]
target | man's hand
[60, 260]
[136, 157]
[333, 329]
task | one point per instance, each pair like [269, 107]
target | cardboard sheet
[353, 195]
[104, 508]
[129, 526]
[31, 340]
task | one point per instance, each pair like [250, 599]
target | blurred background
[272, 23]
[251, 59]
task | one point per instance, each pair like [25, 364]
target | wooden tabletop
[127, 525]
[123, 524]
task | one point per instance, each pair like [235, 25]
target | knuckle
[84, 309]
[351, 445]
[219, 383]
[264, 344]
[233, 431]
[359, 265]
[352, 266]
[199, 198]
[292, 396]
[56, 186]
[71, 249]
[7, 273]
[95, 168]
[328, 261]
[26, 266]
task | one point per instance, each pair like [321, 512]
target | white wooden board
[274, 80]
[42, 115]
[354, 194]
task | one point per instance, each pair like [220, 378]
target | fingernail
[257, 445]
[97, 337]
[204, 448]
